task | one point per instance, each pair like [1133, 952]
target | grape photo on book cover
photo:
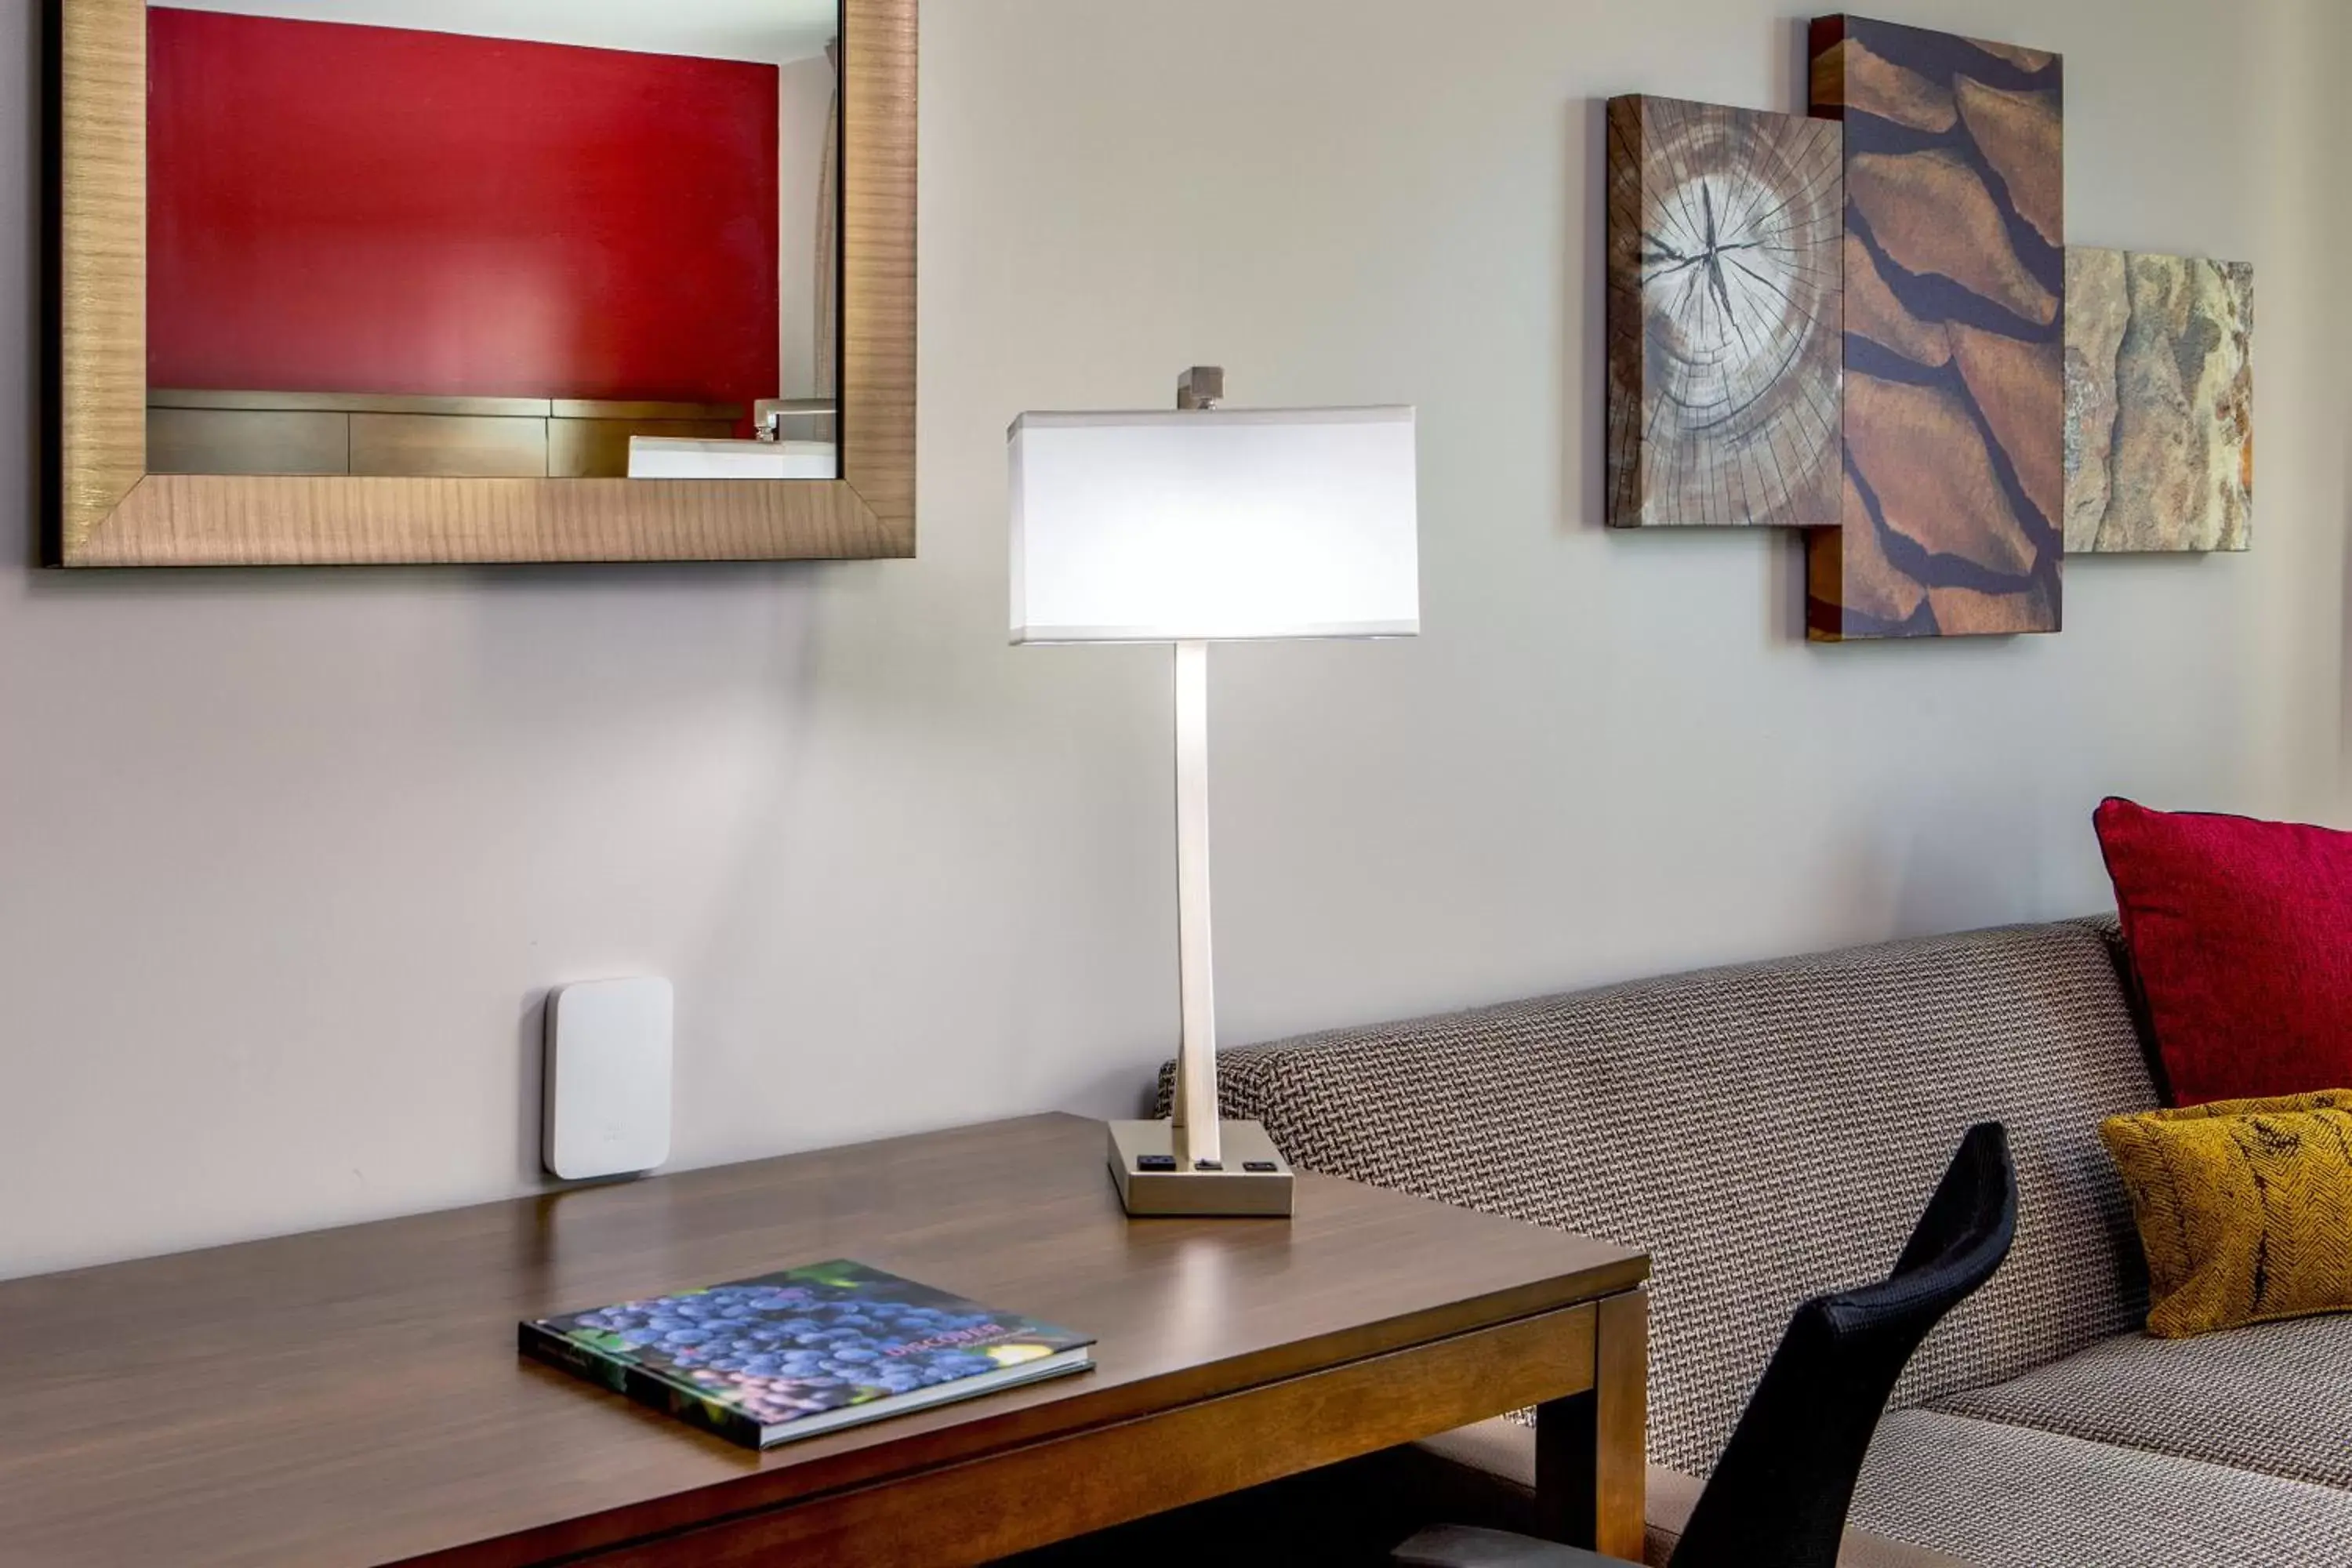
[784, 1347]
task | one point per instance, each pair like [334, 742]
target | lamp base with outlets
[1156, 1181]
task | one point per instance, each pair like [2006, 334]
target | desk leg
[1590, 1460]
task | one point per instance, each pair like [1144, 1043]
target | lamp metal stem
[1196, 1115]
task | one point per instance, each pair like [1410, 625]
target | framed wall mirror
[378, 282]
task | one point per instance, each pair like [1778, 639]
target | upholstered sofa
[1769, 1131]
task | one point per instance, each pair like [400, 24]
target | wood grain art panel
[1723, 363]
[111, 511]
[1954, 419]
[2159, 403]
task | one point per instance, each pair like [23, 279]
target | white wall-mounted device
[606, 1103]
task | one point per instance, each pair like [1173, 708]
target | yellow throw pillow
[2244, 1208]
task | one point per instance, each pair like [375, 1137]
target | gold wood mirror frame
[108, 510]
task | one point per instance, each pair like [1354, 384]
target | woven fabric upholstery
[1768, 1132]
[1778, 1495]
[2276, 1399]
[2014, 1497]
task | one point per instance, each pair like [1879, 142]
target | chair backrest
[1778, 1495]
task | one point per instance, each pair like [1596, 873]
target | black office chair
[1778, 1495]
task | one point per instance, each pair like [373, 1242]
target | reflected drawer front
[247, 441]
[419, 445]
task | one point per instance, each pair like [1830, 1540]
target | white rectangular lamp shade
[1214, 524]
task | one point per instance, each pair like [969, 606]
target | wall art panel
[1954, 407]
[1724, 363]
[2159, 403]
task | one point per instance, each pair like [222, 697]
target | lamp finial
[1202, 386]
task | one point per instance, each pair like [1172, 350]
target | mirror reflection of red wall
[355, 210]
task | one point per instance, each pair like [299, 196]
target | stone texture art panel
[2159, 403]
[1723, 316]
[1954, 412]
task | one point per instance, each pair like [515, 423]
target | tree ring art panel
[1724, 316]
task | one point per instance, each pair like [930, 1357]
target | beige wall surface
[288, 859]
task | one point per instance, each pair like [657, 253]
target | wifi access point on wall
[607, 1100]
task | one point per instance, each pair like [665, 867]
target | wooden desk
[354, 1396]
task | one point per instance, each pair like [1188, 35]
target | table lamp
[1204, 525]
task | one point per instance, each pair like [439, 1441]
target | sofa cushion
[2276, 1399]
[2241, 933]
[1505, 1451]
[2017, 1497]
[1768, 1132]
[2244, 1208]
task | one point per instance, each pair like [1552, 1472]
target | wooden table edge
[985, 1437]
[1546, 1359]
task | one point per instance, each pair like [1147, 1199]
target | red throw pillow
[2241, 933]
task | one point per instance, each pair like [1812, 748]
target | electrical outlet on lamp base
[1158, 1175]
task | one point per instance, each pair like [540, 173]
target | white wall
[286, 858]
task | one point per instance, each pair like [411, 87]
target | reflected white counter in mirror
[676, 457]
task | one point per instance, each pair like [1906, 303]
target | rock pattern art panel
[1953, 465]
[2159, 403]
[1723, 316]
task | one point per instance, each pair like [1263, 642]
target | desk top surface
[354, 1396]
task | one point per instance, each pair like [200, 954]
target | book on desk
[811, 1350]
